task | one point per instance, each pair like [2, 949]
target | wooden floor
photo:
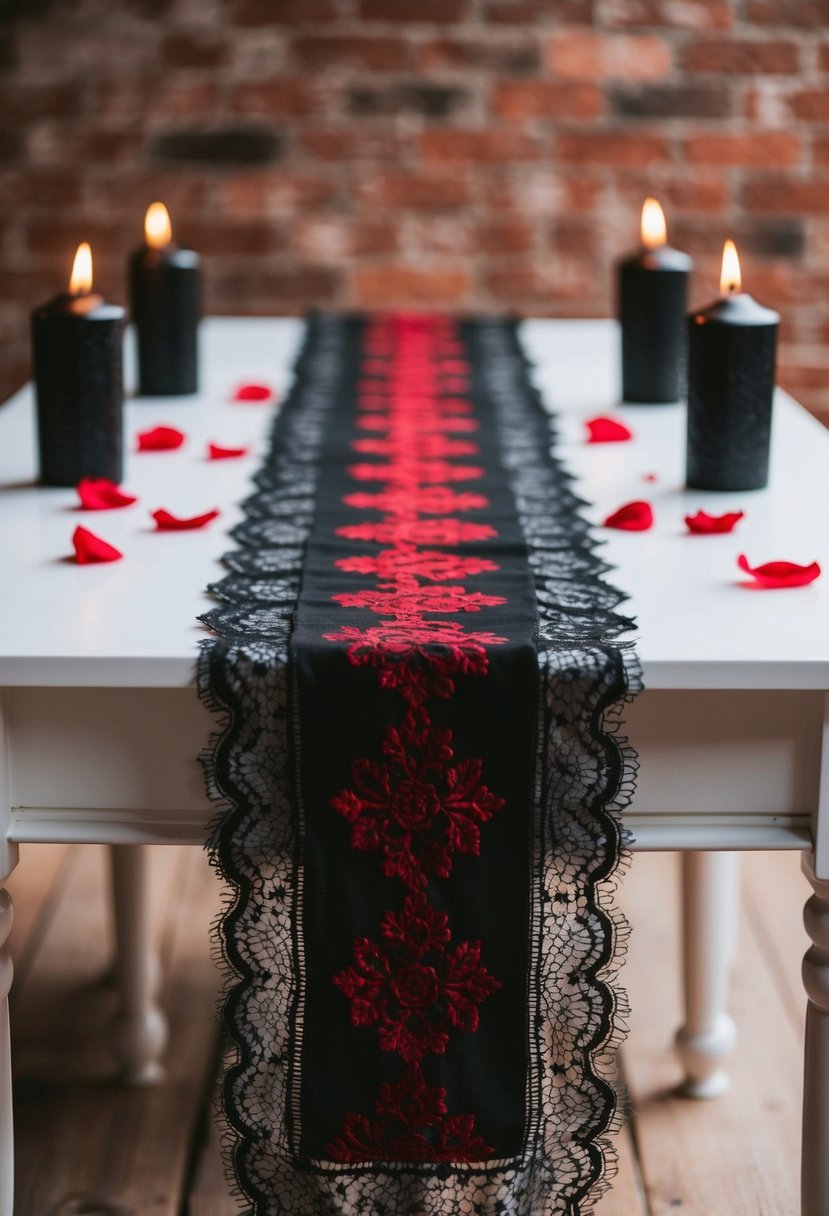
[87, 1148]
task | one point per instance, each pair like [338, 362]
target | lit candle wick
[80, 281]
[158, 231]
[730, 278]
[654, 231]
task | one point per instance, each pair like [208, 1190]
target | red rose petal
[650, 477]
[704, 524]
[607, 430]
[90, 548]
[160, 439]
[98, 494]
[216, 452]
[780, 574]
[632, 517]
[165, 522]
[253, 392]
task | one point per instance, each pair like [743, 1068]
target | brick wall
[456, 154]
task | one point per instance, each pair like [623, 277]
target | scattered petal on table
[98, 494]
[215, 451]
[704, 524]
[632, 517]
[165, 522]
[160, 439]
[650, 477]
[90, 548]
[254, 392]
[607, 430]
[780, 574]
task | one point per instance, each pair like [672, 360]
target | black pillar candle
[77, 341]
[731, 359]
[165, 292]
[653, 302]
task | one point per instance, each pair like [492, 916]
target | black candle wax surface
[165, 291]
[77, 345]
[731, 363]
[653, 302]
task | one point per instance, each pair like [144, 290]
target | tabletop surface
[133, 623]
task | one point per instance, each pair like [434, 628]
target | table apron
[718, 769]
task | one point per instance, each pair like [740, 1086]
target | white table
[102, 726]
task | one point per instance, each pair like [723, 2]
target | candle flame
[730, 279]
[80, 282]
[654, 232]
[158, 231]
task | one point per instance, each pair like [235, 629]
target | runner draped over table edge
[419, 681]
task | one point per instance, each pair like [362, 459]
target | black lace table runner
[418, 676]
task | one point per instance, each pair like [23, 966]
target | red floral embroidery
[412, 986]
[430, 500]
[408, 559]
[425, 1131]
[418, 805]
[421, 531]
[394, 599]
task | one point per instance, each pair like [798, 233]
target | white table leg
[139, 1029]
[710, 883]
[6, 1121]
[814, 1157]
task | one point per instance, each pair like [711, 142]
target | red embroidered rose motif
[408, 559]
[412, 986]
[418, 531]
[424, 1132]
[395, 600]
[417, 808]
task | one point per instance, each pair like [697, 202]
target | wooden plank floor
[88, 1148]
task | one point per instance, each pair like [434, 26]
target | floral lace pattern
[420, 804]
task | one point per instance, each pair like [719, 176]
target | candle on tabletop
[165, 294]
[731, 359]
[77, 341]
[653, 301]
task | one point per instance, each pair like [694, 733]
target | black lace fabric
[581, 780]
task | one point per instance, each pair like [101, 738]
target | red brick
[56, 236]
[575, 235]
[503, 236]
[803, 14]
[251, 239]
[26, 101]
[435, 12]
[821, 150]
[194, 49]
[682, 190]
[268, 193]
[41, 188]
[811, 105]
[282, 98]
[335, 238]
[429, 237]
[251, 291]
[542, 193]
[769, 149]
[613, 148]
[540, 12]
[518, 100]
[535, 288]
[688, 14]
[286, 12]
[793, 379]
[512, 58]
[400, 284]
[823, 58]
[350, 143]
[743, 57]
[477, 147]
[375, 54]
[589, 55]
[782, 196]
[413, 191]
